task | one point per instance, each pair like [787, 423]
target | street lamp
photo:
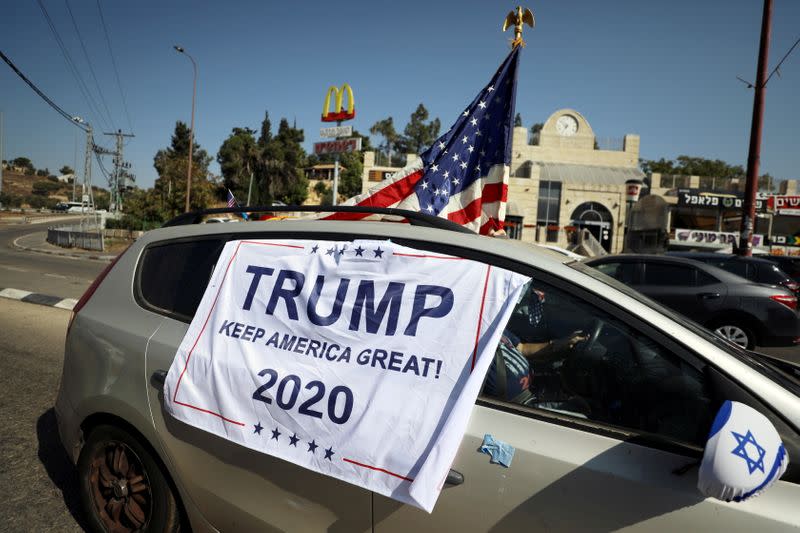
[180, 50]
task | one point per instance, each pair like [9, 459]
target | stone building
[561, 181]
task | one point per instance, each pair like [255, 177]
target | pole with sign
[338, 115]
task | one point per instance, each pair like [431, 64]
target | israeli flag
[744, 454]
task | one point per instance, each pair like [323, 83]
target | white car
[563, 251]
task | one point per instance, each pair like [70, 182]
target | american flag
[463, 176]
[231, 200]
[233, 203]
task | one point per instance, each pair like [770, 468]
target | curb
[103, 258]
[40, 299]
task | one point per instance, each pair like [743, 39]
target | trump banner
[358, 359]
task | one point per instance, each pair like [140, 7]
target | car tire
[736, 333]
[122, 487]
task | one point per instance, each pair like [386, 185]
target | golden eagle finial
[518, 19]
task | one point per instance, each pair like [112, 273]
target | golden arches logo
[339, 113]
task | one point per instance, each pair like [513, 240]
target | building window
[513, 226]
[549, 208]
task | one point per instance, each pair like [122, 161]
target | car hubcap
[734, 334]
[120, 488]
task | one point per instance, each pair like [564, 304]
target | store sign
[336, 131]
[336, 147]
[785, 205]
[717, 200]
[711, 239]
[339, 113]
[786, 240]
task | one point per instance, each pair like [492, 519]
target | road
[38, 485]
[45, 274]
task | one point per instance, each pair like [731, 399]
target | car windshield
[760, 364]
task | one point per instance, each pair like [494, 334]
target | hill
[20, 190]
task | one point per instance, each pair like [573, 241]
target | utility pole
[754, 153]
[1, 157]
[117, 181]
[87, 196]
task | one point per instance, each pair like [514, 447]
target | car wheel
[737, 334]
[122, 487]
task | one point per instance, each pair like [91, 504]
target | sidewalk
[36, 242]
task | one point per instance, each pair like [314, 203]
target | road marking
[14, 294]
[15, 269]
[59, 276]
[66, 303]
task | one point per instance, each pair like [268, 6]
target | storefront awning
[587, 174]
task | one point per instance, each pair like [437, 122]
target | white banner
[360, 360]
[711, 239]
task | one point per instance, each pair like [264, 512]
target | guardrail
[84, 236]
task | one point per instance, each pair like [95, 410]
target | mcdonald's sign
[339, 113]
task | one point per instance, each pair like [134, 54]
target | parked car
[745, 313]
[756, 269]
[646, 382]
[789, 264]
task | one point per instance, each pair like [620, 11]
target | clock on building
[567, 125]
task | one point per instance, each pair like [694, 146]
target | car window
[562, 354]
[704, 278]
[668, 274]
[623, 272]
[172, 277]
[768, 273]
[740, 268]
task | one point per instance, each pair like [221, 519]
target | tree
[43, 172]
[66, 169]
[237, 158]
[385, 128]
[518, 120]
[279, 169]
[535, 131]
[172, 165]
[419, 135]
[25, 164]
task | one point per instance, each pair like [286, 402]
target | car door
[672, 284]
[607, 438]
[236, 488]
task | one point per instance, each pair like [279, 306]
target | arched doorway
[595, 217]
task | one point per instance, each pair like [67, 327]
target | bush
[43, 188]
[132, 223]
[10, 200]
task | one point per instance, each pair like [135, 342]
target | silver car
[608, 429]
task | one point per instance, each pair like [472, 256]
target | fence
[87, 236]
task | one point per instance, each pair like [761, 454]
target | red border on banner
[378, 469]
[208, 317]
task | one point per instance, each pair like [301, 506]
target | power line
[72, 68]
[114, 63]
[40, 93]
[88, 61]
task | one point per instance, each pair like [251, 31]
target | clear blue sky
[665, 70]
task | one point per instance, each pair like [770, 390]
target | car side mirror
[744, 455]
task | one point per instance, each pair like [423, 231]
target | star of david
[741, 451]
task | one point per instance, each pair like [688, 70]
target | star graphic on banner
[482, 104]
[258, 427]
[329, 453]
[429, 208]
[455, 156]
[330, 251]
[741, 451]
[466, 113]
[378, 252]
[456, 181]
[464, 140]
[293, 440]
[314, 249]
[312, 446]
[275, 434]
[490, 88]
[474, 121]
[425, 185]
[441, 145]
[435, 167]
[359, 251]
[463, 164]
[471, 148]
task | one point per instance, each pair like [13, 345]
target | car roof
[722, 275]
[714, 255]
[347, 230]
